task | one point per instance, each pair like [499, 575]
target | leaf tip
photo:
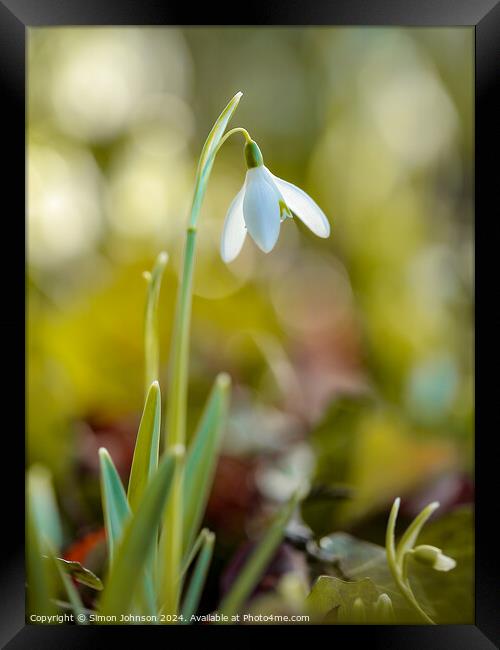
[178, 451]
[223, 380]
[155, 387]
[163, 258]
[104, 453]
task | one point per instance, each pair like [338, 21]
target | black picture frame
[484, 15]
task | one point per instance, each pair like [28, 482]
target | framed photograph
[252, 369]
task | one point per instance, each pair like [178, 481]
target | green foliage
[138, 540]
[198, 577]
[333, 600]
[40, 578]
[447, 597]
[202, 457]
[151, 335]
[114, 502]
[43, 505]
[79, 573]
[367, 446]
[371, 448]
[145, 460]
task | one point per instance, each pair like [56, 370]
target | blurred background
[351, 357]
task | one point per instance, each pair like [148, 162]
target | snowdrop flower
[434, 557]
[262, 204]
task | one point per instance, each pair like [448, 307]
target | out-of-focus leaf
[146, 450]
[288, 599]
[372, 450]
[44, 506]
[193, 552]
[256, 564]
[355, 559]
[151, 338]
[389, 460]
[114, 502]
[71, 591]
[40, 577]
[80, 573]
[202, 458]
[198, 577]
[332, 599]
[43, 533]
[139, 537]
[116, 515]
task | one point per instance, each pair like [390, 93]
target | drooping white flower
[262, 204]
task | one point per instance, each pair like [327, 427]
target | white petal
[261, 209]
[234, 231]
[444, 563]
[304, 207]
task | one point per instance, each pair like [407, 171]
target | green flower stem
[176, 398]
[405, 587]
[238, 129]
[176, 428]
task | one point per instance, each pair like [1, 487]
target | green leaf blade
[151, 339]
[43, 532]
[202, 458]
[216, 134]
[114, 502]
[139, 538]
[44, 505]
[80, 573]
[145, 461]
[198, 578]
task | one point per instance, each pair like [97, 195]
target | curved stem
[176, 397]
[404, 585]
[398, 566]
[238, 129]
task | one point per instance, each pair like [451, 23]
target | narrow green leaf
[145, 461]
[198, 578]
[44, 504]
[40, 582]
[151, 342]
[80, 573]
[189, 557]
[202, 458]
[139, 538]
[43, 531]
[255, 566]
[216, 134]
[114, 502]
[116, 515]
[390, 537]
[409, 537]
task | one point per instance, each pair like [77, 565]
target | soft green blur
[377, 125]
